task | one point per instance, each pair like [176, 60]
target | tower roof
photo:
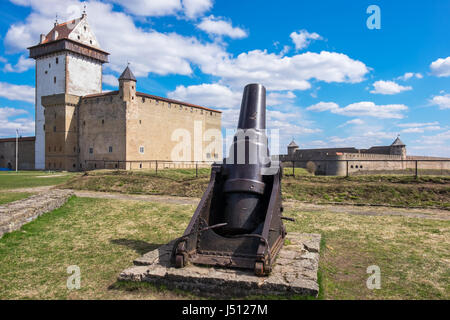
[398, 142]
[292, 144]
[127, 75]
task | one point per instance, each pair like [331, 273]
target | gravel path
[288, 204]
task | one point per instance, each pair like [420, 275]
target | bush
[311, 167]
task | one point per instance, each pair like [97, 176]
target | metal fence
[155, 165]
[350, 167]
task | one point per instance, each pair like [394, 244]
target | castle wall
[25, 154]
[84, 75]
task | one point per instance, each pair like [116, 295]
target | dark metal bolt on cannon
[238, 222]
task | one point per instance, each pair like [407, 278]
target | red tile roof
[63, 30]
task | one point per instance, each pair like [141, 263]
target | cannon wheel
[179, 261]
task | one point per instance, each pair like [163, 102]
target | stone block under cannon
[238, 222]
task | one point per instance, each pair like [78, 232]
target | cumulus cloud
[363, 108]
[303, 38]
[110, 80]
[17, 92]
[443, 102]
[151, 51]
[220, 27]
[352, 122]
[8, 125]
[441, 67]
[22, 65]
[150, 8]
[195, 8]
[388, 87]
[409, 75]
[287, 72]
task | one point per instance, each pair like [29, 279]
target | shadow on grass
[139, 246]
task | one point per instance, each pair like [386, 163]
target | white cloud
[8, 125]
[352, 122]
[22, 65]
[278, 72]
[209, 95]
[17, 92]
[148, 50]
[409, 75]
[110, 80]
[150, 8]
[323, 106]
[363, 108]
[388, 87]
[441, 67]
[303, 38]
[443, 102]
[277, 98]
[216, 26]
[195, 8]
[421, 129]
[417, 124]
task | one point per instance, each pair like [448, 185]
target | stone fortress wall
[380, 159]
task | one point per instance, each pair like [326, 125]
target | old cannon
[238, 222]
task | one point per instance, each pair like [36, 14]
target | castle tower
[68, 61]
[291, 148]
[127, 85]
[398, 148]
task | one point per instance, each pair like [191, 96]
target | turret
[127, 85]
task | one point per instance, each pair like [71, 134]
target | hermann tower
[68, 61]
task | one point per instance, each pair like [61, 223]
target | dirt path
[370, 211]
[289, 204]
[31, 189]
[138, 197]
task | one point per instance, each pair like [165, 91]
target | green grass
[13, 196]
[103, 237]
[29, 179]
[406, 191]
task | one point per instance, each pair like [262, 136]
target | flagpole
[17, 147]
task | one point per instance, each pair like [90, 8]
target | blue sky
[331, 80]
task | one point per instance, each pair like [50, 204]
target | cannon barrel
[244, 186]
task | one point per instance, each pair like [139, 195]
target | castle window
[210, 113]
[79, 37]
[351, 166]
[46, 71]
[49, 65]
[169, 105]
[54, 79]
[110, 149]
[84, 122]
[360, 167]
[85, 28]
[74, 165]
[140, 121]
[43, 127]
[103, 121]
[60, 148]
[57, 60]
[90, 41]
[143, 99]
[91, 150]
[356, 166]
[208, 155]
[141, 150]
[54, 128]
[140, 165]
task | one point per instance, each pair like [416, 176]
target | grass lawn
[426, 191]
[13, 196]
[103, 237]
[29, 179]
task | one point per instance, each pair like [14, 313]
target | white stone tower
[68, 60]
